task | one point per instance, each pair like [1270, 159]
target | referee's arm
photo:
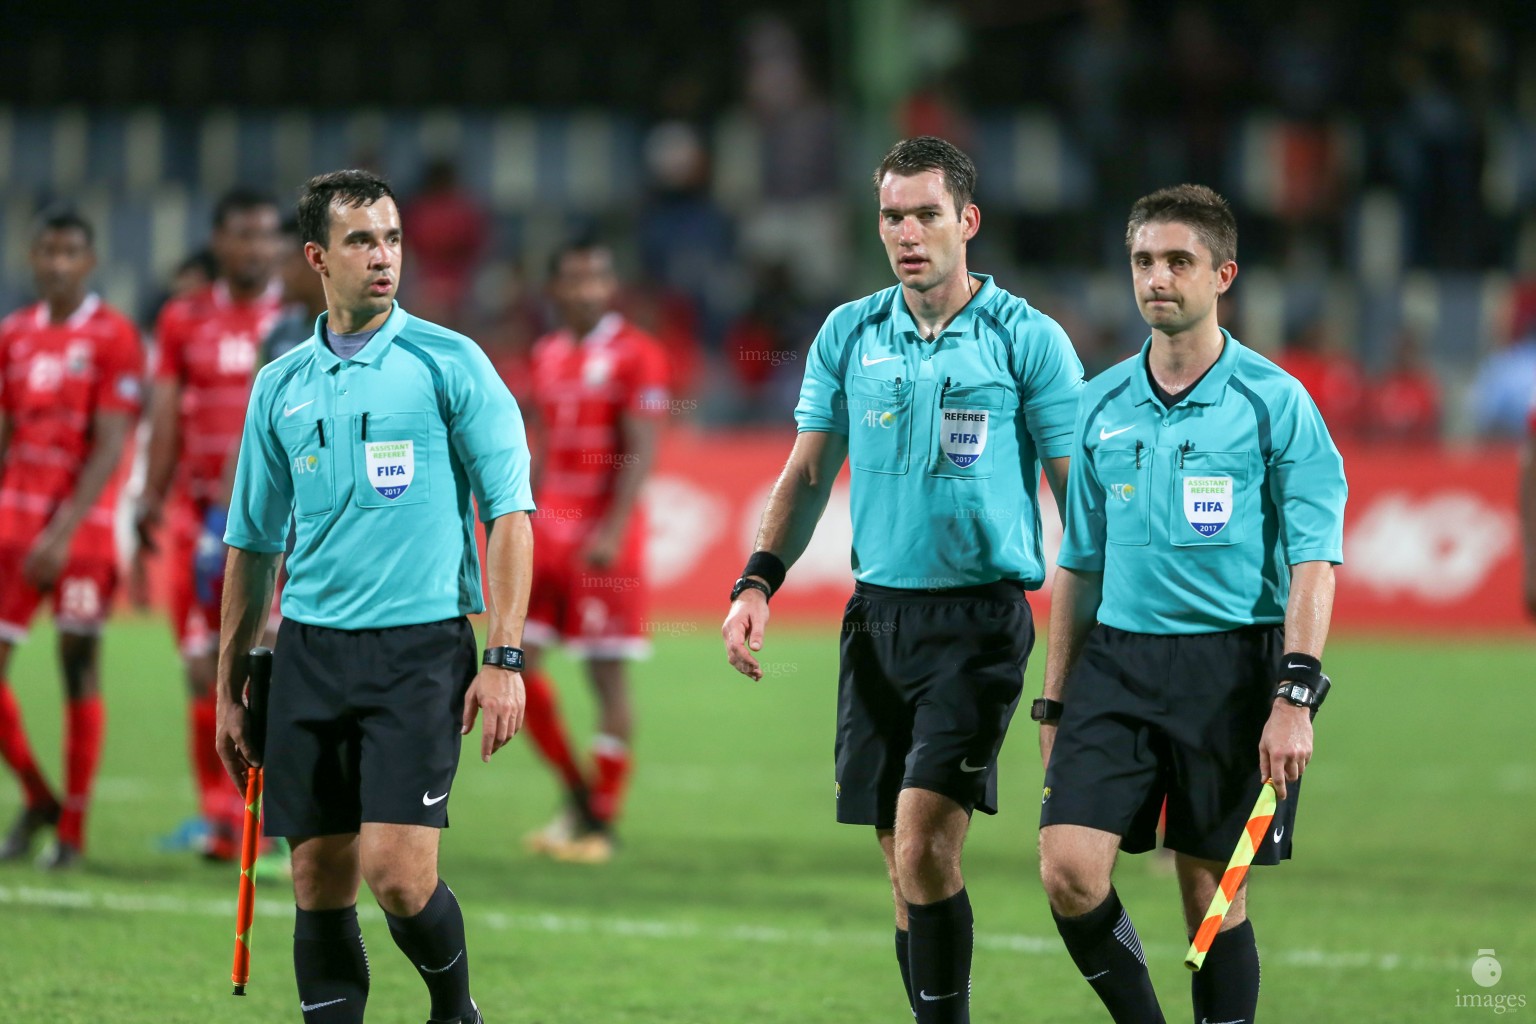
[250, 578]
[509, 574]
[1286, 746]
[795, 505]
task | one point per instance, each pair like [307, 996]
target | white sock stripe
[1126, 933]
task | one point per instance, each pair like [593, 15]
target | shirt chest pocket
[1126, 474]
[968, 420]
[1207, 498]
[879, 424]
[391, 455]
[310, 448]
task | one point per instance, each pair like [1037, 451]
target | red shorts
[595, 613]
[81, 597]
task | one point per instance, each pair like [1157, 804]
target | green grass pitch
[738, 899]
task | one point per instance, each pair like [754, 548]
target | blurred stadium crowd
[1382, 161]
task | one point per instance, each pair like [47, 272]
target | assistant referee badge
[391, 466]
[1208, 503]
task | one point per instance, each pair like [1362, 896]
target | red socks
[542, 720]
[222, 804]
[82, 750]
[610, 757]
[18, 752]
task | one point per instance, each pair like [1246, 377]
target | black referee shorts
[363, 725]
[927, 685]
[1149, 717]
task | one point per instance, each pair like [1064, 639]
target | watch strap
[503, 657]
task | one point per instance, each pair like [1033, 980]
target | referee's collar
[370, 352]
[1211, 387]
[901, 317]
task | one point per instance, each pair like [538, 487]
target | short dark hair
[350, 188]
[585, 240]
[929, 153]
[64, 218]
[1202, 209]
[240, 199]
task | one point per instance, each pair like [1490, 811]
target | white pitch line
[631, 928]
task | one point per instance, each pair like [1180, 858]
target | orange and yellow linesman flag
[258, 685]
[1254, 833]
[245, 908]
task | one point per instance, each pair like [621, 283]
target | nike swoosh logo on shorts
[306, 1007]
[1105, 435]
[966, 766]
[428, 799]
[935, 999]
[871, 362]
[289, 412]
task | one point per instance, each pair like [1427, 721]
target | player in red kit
[69, 394]
[600, 392]
[205, 358]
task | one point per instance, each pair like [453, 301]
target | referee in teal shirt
[379, 437]
[1205, 514]
[945, 394]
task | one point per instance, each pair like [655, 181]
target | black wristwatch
[504, 657]
[1045, 710]
[1303, 696]
[750, 583]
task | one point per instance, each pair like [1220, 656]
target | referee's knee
[1072, 885]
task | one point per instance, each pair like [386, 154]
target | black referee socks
[1104, 945]
[939, 954]
[330, 965]
[904, 961]
[434, 941]
[1227, 987]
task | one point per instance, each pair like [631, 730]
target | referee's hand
[1286, 746]
[743, 632]
[231, 744]
[499, 693]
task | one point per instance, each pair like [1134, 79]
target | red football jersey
[54, 378]
[582, 387]
[208, 343]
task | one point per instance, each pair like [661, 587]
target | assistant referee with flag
[1205, 511]
[379, 436]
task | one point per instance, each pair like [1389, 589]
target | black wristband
[1301, 668]
[769, 566]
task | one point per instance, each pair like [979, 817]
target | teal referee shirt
[1194, 514]
[945, 437]
[377, 458]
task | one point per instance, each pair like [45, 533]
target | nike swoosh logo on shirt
[1105, 435]
[871, 362]
[289, 412]
[428, 799]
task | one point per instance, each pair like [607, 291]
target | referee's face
[361, 265]
[1176, 281]
[924, 234]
